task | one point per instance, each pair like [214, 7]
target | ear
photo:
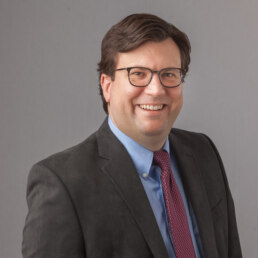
[106, 83]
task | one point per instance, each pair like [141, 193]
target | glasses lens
[139, 76]
[170, 77]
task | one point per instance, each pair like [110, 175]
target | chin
[155, 131]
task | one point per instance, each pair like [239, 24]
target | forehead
[154, 55]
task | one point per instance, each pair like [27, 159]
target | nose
[155, 87]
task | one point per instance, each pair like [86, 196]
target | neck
[151, 143]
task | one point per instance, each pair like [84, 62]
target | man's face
[129, 106]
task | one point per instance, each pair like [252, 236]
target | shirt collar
[142, 157]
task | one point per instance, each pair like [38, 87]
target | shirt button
[144, 175]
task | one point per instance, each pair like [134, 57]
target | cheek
[120, 99]
[129, 96]
[177, 96]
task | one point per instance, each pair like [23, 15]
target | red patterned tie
[175, 208]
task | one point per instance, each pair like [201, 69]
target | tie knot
[161, 158]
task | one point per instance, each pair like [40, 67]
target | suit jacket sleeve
[234, 248]
[51, 229]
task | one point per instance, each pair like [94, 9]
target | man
[135, 188]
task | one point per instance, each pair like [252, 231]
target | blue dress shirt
[150, 178]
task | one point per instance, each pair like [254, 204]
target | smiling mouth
[151, 107]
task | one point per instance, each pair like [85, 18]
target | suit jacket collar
[195, 190]
[117, 164]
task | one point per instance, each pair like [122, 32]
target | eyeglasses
[142, 76]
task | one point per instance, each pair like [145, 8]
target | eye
[168, 74]
[138, 73]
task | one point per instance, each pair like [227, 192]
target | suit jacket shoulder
[88, 201]
[206, 185]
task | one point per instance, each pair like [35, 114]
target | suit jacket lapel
[117, 164]
[195, 190]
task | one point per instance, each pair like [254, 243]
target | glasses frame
[128, 69]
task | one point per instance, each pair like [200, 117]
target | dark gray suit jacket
[88, 201]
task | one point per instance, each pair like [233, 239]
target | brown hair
[131, 33]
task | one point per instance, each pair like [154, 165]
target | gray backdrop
[49, 99]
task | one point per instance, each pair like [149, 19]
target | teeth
[151, 107]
